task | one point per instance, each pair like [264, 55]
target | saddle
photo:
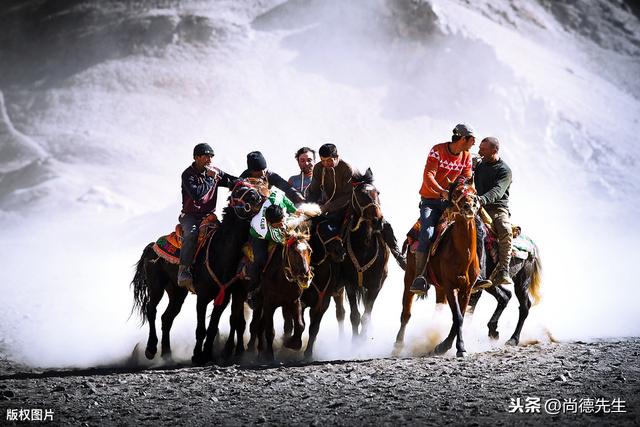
[168, 247]
[443, 225]
[521, 246]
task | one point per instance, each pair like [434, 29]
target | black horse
[526, 275]
[215, 271]
[368, 240]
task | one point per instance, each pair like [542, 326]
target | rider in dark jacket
[200, 183]
[257, 168]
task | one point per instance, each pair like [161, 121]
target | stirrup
[420, 286]
[481, 284]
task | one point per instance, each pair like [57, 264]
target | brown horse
[285, 277]
[214, 270]
[454, 267]
[526, 276]
[328, 253]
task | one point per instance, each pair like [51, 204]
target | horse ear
[369, 173]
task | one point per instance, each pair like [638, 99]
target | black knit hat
[256, 161]
[328, 150]
[202, 149]
[273, 213]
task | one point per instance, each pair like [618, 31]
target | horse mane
[360, 178]
[300, 231]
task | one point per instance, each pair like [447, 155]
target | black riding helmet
[273, 214]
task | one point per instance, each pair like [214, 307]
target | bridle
[324, 243]
[466, 191]
[361, 209]
[302, 281]
[239, 202]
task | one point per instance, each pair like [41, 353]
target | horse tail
[536, 278]
[140, 285]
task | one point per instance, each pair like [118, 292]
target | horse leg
[267, 324]
[176, 299]
[525, 305]
[445, 345]
[503, 296]
[295, 341]
[314, 326]
[255, 327]
[241, 324]
[369, 300]
[212, 329]
[201, 331]
[463, 302]
[338, 299]
[288, 322]
[407, 303]
[236, 321]
[354, 314]
[154, 299]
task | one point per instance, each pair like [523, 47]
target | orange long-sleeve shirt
[444, 167]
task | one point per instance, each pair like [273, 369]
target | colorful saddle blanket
[443, 225]
[168, 247]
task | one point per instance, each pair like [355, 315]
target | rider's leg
[502, 224]
[481, 282]
[190, 225]
[430, 212]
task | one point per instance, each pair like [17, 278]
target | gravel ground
[477, 390]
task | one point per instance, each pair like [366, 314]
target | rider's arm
[283, 185]
[196, 187]
[503, 180]
[226, 180]
[344, 189]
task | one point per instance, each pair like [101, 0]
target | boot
[481, 284]
[420, 284]
[501, 277]
[185, 279]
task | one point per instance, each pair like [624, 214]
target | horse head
[365, 202]
[464, 198]
[246, 199]
[296, 258]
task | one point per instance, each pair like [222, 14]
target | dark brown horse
[214, 272]
[328, 253]
[364, 270]
[526, 275]
[454, 267]
[285, 277]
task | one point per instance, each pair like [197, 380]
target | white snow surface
[90, 160]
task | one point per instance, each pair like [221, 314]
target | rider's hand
[444, 194]
[212, 173]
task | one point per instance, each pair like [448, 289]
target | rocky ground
[593, 383]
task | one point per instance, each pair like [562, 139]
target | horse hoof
[166, 355]
[512, 342]
[494, 335]
[150, 353]
[439, 350]
[293, 343]
[461, 354]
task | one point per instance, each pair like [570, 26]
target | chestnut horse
[453, 266]
[285, 277]
[214, 269]
[526, 276]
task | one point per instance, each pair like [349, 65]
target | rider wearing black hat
[257, 168]
[200, 183]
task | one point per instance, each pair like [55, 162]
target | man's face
[485, 150]
[203, 160]
[306, 162]
[329, 162]
[469, 141]
[258, 174]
